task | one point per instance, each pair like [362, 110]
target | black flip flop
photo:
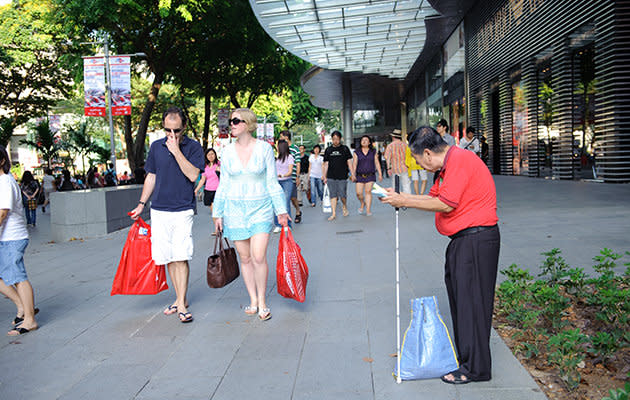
[187, 317]
[20, 331]
[19, 320]
[457, 378]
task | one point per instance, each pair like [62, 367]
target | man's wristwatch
[142, 202]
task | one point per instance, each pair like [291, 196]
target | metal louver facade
[507, 45]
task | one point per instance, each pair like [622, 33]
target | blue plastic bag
[427, 349]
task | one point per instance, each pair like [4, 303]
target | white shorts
[171, 236]
[414, 174]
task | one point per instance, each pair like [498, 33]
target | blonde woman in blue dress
[245, 202]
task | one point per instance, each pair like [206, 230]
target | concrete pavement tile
[341, 395]
[386, 388]
[263, 378]
[472, 392]
[191, 387]
[335, 367]
[117, 381]
[271, 346]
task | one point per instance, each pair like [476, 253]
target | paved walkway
[336, 345]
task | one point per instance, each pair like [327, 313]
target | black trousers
[470, 276]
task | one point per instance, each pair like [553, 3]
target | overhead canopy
[372, 37]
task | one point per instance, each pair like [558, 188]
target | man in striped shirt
[295, 174]
[395, 157]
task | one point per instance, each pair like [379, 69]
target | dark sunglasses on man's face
[235, 121]
[177, 130]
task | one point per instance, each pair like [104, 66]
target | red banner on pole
[94, 86]
[121, 85]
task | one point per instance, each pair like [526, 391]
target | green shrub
[554, 268]
[603, 345]
[565, 352]
[551, 302]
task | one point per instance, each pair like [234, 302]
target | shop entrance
[496, 132]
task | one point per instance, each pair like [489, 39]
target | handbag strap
[218, 241]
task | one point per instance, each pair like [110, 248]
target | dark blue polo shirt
[173, 191]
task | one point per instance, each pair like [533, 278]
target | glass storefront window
[435, 113]
[584, 102]
[547, 134]
[457, 114]
[520, 158]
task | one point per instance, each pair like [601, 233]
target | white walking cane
[398, 355]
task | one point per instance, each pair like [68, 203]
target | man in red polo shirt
[464, 201]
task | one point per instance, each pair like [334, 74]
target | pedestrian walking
[209, 180]
[284, 168]
[172, 167]
[30, 192]
[470, 142]
[337, 164]
[247, 198]
[295, 174]
[395, 156]
[14, 282]
[383, 162]
[442, 129]
[467, 213]
[416, 172]
[366, 164]
[315, 162]
[48, 185]
[303, 181]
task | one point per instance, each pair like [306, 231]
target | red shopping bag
[137, 272]
[291, 269]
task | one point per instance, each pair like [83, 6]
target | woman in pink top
[209, 177]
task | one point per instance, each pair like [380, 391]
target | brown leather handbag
[222, 266]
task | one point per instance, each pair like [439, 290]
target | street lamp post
[108, 88]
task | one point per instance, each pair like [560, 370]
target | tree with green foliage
[6, 130]
[44, 141]
[32, 50]
[79, 140]
[230, 54]
[157, 29]
[303, 112]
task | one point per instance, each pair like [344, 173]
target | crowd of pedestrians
[250, 192]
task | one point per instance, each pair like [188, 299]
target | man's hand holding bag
[222, 265]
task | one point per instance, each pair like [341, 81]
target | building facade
[544, 81]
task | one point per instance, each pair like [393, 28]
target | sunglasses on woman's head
[235, 121]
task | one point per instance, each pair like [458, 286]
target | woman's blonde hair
[249, 117]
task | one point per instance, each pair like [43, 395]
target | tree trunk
[190, 121]
[207, 110]
[129, 142]
[138, 149]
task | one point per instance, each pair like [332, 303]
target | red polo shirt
[465, 183]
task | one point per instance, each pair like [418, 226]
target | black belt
[366, 175]
[470, 231]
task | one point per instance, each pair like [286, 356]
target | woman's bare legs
[368, 197]
[360, 195]
[253, 255]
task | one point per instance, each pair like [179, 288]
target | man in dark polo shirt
[465, 206]
[172, 168]
[337, 163]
